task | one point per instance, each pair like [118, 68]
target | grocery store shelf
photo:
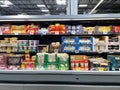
[60, 18]
[87, 77]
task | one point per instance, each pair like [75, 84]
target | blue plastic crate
[89, 38]
[69, 40]
[69, 46]
[83, 45]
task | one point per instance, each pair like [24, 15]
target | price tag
[99, 51]
[89, 32]
[55, 50]
[1, 33]
[8, 51]
[16, 33]
[31, 32]
[100, 69]
[105, 32]
[56, 32]
[44, 33]
[26, 51]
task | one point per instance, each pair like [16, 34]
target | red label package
[3, 64]
[5, 29]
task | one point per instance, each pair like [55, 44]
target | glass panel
[33, 7]
[98, 6]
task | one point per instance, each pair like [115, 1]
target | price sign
[56, 32]
[8, 51]
[26, 51]
[1, 33]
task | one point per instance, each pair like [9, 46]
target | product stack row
[59, 61]
[41, 61]
[14, 45]
[52, 61]
[57, 29]
[91, 44]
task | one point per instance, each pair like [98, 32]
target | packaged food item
[115, 29]
[18, 29]
[5, 29]
[89, 30]
[8, 45]
[55, 47]
[99, 64]
[43, 48]
[57, 29]
[15, 59]
[63, 60]
[79, 62]
[104, 29]
[3, 65]
[114, 62]
[100, 44]
[43, 31]
[32, 29]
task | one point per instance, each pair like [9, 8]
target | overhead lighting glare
[6, 2]
[95, 7]
[83, 5]
[45, 10]
[4, 6]
[61, 2]
[41, 6]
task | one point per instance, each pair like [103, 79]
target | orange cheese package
[57, 29]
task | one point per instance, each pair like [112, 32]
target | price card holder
[76, 51]
[56, 33]
[73, 32]
[100, 52]
[56, 50]
[90, 32]
[100, 69]
[43, 51]
[44, 33]
[111, 52]
[8, 51]
[105, 32]
[27, 51]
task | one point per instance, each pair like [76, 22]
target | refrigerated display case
[64, 79]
